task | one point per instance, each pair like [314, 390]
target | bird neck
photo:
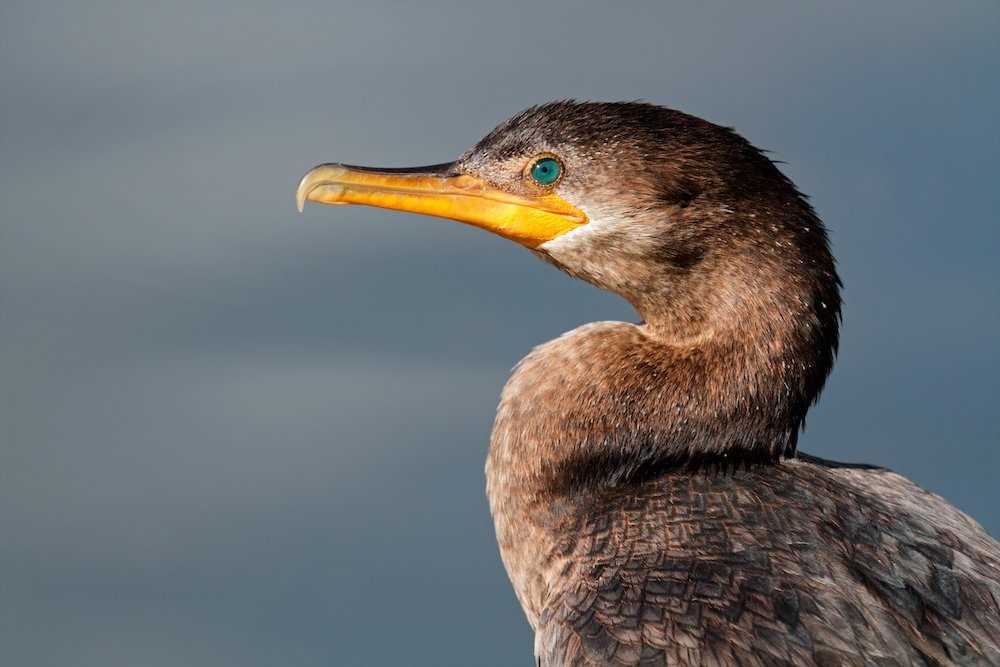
[729, 380]
[611, 403]
[610, 406]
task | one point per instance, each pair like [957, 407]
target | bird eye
[545, 170]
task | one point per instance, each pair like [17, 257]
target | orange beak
[530, 221]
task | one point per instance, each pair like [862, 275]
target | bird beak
[529, 220]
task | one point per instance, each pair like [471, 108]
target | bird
[650, 502]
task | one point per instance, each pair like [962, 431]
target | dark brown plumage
[650, 505]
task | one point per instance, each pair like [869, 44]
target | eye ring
[545, 170]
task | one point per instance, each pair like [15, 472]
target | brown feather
[649, 505]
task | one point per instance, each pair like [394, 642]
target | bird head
[684, 218]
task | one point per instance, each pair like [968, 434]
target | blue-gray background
[234, 435]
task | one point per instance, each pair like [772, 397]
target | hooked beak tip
[324, 174]
[302, 193]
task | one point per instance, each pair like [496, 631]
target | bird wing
[804, 563]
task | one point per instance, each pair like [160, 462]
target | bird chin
[606, 252]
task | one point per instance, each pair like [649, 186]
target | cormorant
[649, 502]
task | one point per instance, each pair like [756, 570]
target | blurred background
[236, 435]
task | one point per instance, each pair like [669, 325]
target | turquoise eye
[546, 170]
